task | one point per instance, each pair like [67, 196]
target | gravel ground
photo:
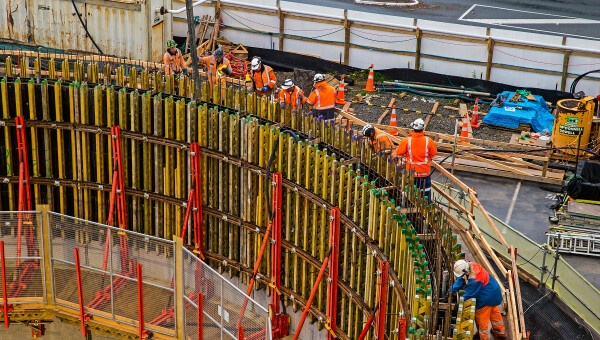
[444, 124]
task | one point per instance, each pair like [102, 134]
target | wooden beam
[433, 111]
[488, 67]
[418, 36]
[347, 24]
[563, 80]
[382, 117]
[281, 25]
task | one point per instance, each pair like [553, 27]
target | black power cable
[579, 77]
[85, 27]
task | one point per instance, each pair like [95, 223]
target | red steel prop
[261, 251]
[312, 294]
[334, 232]
[83, 316]
[144, 334]
[6, 308]
[369, 323]
[194, 204]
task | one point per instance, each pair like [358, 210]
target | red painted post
[334, 236]
[83, 316]
[24, 159]
[200, 316]
[20, 216]
[401, 328]
[143, 333]
[382, 287]
[5, 306]
[190, 205]
[279, 326]
[240, 332]
[197, 184]
[368, 324]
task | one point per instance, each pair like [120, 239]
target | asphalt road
[529, 214]
[558, 17]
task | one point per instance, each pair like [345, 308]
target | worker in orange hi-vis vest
[217, 67]
[419, 150]
[263, 77]
[322, 98]
[291, 96]
[173, 59]
[378, 140]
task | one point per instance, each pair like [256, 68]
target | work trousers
[327, 113]
[424, 183]
[483, 316]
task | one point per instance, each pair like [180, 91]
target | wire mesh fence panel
[200, 278]
[21, 234]
[222, 304]
[251, 316]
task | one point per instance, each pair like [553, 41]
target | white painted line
[467, 12]
[534, 21]
[387, 4]
[522, 11]
[512, 203]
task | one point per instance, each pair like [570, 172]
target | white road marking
[552, 19]
[512, 203]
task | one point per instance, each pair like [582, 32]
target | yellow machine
[573, 120]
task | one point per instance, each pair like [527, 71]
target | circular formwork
[384, 219]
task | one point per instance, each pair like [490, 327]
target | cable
[270, 211]
[579, 77]
[85, 27]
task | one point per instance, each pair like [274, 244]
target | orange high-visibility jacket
[211, 66]
[322, 97]
[264, 78]
[419, 150]
[174, 63]
[381, 142]
[291, 98]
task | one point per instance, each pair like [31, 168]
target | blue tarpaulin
[525, 111]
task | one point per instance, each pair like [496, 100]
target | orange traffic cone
[465, 130]
[340, 95]
[370, 81]
[475, 117]
[393, 121]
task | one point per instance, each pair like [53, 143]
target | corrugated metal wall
[121, 28]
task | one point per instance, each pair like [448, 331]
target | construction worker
[263, 77]
[173, 59]
[419, 150]
[322, 98]
[479, 284]
[291, 95]
[217, 67]
[378, 140]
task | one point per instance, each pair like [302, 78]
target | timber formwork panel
[68, 130]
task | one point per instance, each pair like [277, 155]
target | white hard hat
[319, 78]
[418, 124]
[256, 62]
[461, 267]
[367, 130]
[287, 84]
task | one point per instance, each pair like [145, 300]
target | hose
[85, 27]
[430, 94]
[270, 211]
[579, 77]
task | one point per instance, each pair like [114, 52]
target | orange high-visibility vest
[292, 98]
[419, 150]
[322, 97]
[264, 78]
[211, 66]
[381, 142]
[174, 63]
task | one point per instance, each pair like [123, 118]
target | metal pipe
[140, 301]
[555, 262]
[437, 88]
[200, 316]
[163, 10]
[312, 295]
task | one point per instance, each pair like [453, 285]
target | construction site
[265, 169]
